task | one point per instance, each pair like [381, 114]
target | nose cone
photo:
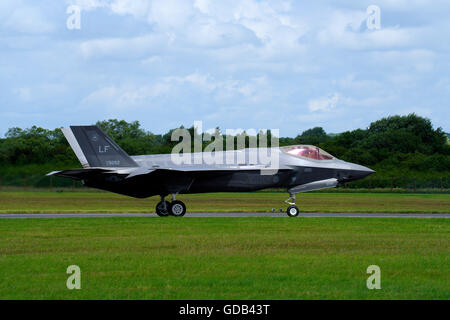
[361, 169]
[355, 172]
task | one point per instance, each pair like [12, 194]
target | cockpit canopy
[307, 151]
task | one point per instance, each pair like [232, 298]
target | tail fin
[94, 148]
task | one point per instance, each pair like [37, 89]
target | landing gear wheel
[177, 208]
[292, 211]
[162, 208]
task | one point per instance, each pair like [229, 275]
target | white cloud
[209, 33]
[196, 79]
[323, 104]
[125, 96]
[24, 18]
[343, 37]
[134, 96]
[213, 24]
[203, 5]
[352, 82]
[124, 47]
[404, 61]
[224, 89]
[24, 94]
[137, 8]
[151, 60]
[170, 13]
[89, 5]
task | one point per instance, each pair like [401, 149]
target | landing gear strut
[175, 208]
[162, 208]
[292, 210]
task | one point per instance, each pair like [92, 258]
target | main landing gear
[175, 208]
[292, 210]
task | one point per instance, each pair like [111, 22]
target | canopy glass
[306, 151]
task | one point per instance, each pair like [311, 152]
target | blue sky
[288, 65]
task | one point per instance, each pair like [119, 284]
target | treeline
[406, 151]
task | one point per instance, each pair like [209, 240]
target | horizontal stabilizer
[79, 174]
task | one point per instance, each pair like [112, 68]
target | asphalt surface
[225, 214]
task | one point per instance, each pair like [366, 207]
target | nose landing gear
[292, 210]
[175, 208]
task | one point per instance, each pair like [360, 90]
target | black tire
[161, 211]
[177, 208]
[292, 211]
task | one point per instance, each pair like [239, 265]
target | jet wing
[130, 172]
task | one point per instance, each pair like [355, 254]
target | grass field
[38, 202]
[223, 258]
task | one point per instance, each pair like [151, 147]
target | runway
[225, 214]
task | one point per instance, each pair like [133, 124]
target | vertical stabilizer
[94, 148]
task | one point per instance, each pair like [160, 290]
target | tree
[410, 133]
[312, 136]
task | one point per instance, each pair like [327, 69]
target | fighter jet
[106, 166]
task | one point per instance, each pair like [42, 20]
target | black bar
[227, 309]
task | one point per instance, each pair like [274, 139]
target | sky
[247, 64]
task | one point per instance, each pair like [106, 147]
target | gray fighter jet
[106, 166]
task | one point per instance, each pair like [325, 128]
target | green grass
[38, 202]
[225, 258]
